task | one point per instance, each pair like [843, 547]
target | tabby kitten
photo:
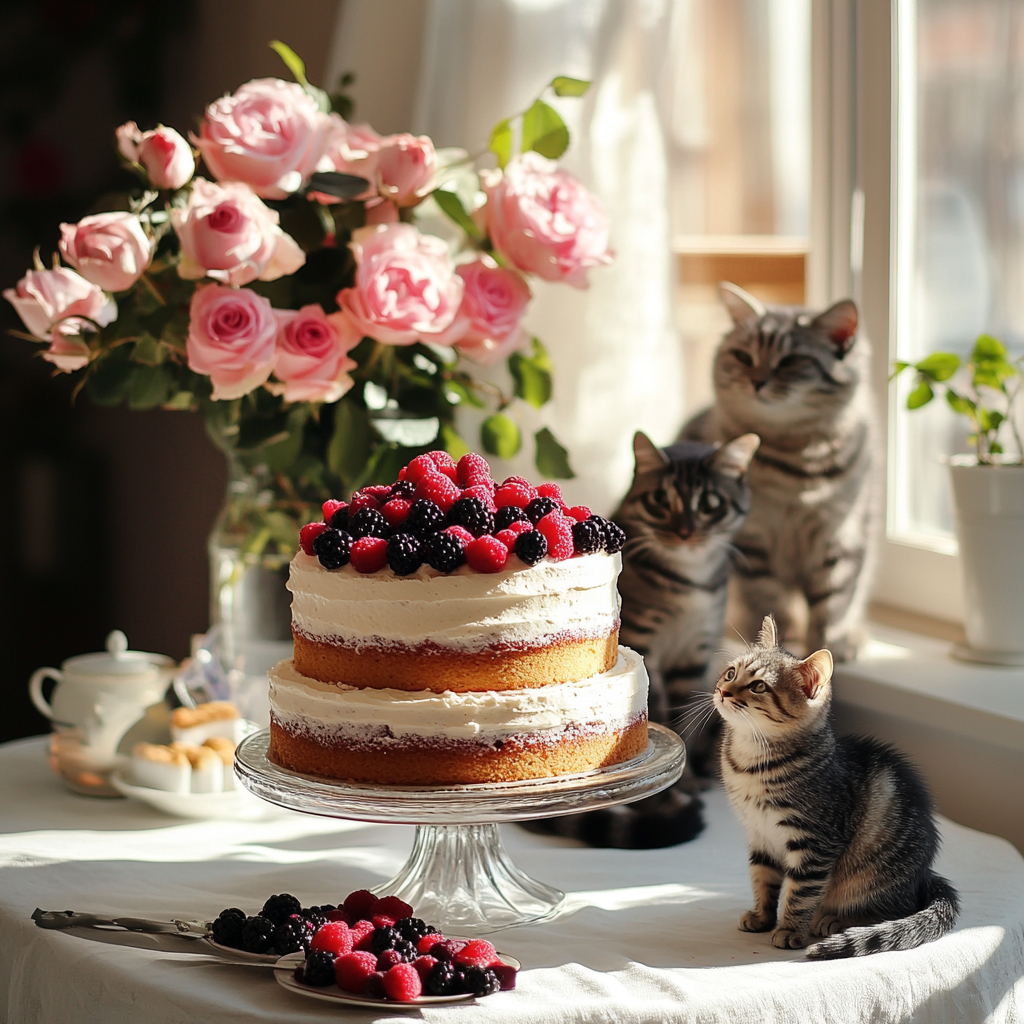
[799, 380]
[840, 831]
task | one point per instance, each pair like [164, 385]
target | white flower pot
[989, 504]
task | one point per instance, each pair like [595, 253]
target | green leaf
[463, 394]
[351, 442]
[565, 86]
[334, 183]
[292, 61]
[452, 441]
[149, 387]
[986, 348]
[500, 143]
[938, 366]
[960, 403]
[183, 400]
[109, 377]
[283, 452]
[544, 131]
[500, 436]
[995, 448]
[897, 368]
[921, 395]
[148, 351]
[552, 459]
[531, 375]
[451, 204]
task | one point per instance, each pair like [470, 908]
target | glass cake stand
[459, 876]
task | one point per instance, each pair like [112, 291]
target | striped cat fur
[799, 380]
[840, 832]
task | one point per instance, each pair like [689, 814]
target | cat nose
[758, 383]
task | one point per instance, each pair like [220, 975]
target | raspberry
[472, 464]
[439, 489]
[383, 921]
[446, 950]
[587, 538]
[293, 934]
[319, 969]
[388, 959]
[445, 552]
[486, 554]
[472, 514]
[333, 548]
[480, 981]
[392, 905]
[335, 937]
[380, 491]
[419, 467]
[403, 489]
[396, 511]
[375, 985]
[369, 554]
[402, 983]
[579, 513]
[339, 521]
[441, 980]
[485, 494]
[309, 533]
[551, 491]
[513, 494]
[331, 506]
[481, 480]
[405, 554]
[476, 953]
[531, 547]
[522, 481]
[338, 915]
[362, 931]
[361, 500]
[445, 464]
[509, 514]
[520, 526]
[227, 929]
[614, 538]
[352, 970]
[557, 530]
[506, 975]
[424, 518]
[427, 943]
[460, 532]
[507, 537]
[360, 905]
[367, 522]
[258, 934]
[402, 473]
[540, 507]
[424, 965]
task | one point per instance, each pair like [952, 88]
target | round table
[644, 935]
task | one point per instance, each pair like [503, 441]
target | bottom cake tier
[402, 737]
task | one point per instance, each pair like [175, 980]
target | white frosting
[466, 610]
[612, 699]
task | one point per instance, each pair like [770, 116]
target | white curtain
[617, 359]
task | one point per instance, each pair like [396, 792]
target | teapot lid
[117, 660]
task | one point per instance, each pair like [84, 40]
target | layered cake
[451, 630]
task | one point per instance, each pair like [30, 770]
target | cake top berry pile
[446, 514]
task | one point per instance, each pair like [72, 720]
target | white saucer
[236, 804]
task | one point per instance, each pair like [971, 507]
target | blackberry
[473, 514]
[531, 546]
[368, 522]
[227, 929]
[507, 515]
[413, 928]
[539, 508]
[441, 979]
[405, 553]
[480, 981]
[406, 950]
[445, 552]
[403, 489]
[339, 521]
[257, 935]
[279, 908]
[383, 938]
[293, 934]
[319, 968]
[614, 538]
[317, 916]
[587, 537]
[332, 548]
[424, 518]
[375, 986]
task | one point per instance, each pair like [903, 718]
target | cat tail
[928, 924]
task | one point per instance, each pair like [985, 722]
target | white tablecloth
[651, 936]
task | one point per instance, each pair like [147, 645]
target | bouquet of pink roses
[284, 288]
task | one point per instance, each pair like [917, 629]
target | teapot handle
[35, 688]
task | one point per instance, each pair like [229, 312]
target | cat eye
[743, 357]
[710, 501]
[730, 675]
[757, 686]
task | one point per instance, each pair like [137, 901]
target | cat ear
[815, 672]
[733, 458]
[768, 637]
[742, 306]
[649, 457]
[840, 323]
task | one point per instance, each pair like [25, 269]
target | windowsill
[914, 677]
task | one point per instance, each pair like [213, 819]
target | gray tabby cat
[840, 832]
[800, 381]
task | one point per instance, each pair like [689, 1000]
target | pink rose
[269, 134]
[231, 338]
[68, 349]
[311, 354]
[545, 222]
[486, 327]
[165, 155]
[405, 168]
[351, 149]
[109, 249]
[405, 287]
[229, 234]
[45, 297]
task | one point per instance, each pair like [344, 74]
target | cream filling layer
[465, 610]
[614, 698]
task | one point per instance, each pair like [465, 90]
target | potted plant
[988, 492]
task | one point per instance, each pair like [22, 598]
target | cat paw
[788, 938]
[752, 921]
[827, 926]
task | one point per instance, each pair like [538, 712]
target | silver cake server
[61, 919]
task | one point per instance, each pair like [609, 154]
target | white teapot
[98, 698]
